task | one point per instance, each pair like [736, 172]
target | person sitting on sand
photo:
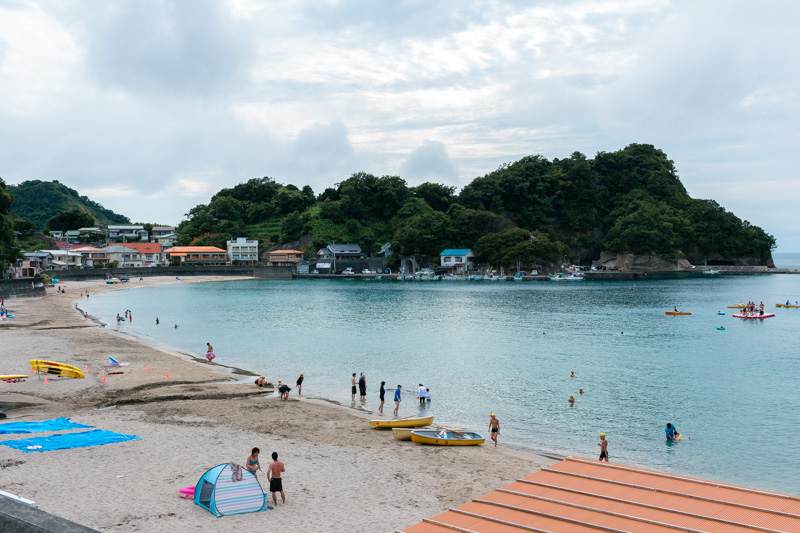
[261, 382]
[253, 466]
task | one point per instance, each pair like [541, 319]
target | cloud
[429, 162]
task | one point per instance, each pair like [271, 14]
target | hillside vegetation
[39, 201]
[532, 211]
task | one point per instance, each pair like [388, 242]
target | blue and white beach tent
[218, 493]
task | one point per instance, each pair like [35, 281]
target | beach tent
[218, 493]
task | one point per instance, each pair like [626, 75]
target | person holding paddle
[494, 427]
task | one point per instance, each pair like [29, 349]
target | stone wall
[22, 288]
[135, 273]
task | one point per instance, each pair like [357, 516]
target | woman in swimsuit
[252, 462]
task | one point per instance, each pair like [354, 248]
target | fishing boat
[677, 313]
[416, 422]
[572, 276]
[447, 437]
[787, 305]
[753, 315]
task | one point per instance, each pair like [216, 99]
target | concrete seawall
[22, 288]
[264, 272]
[16, 517]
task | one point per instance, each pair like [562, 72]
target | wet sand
[340, 474]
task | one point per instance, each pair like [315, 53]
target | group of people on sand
[283, 388]
[274, 473]
[423, 395]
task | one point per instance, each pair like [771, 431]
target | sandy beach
[340, 474]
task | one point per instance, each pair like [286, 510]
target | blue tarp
[64, 441]
[36, 427]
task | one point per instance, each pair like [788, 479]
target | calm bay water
[509, 347]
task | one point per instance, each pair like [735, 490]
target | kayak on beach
[57, 369]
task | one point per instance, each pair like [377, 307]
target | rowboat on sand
[416, 422]
[676, 313]
[447, 437]
[404, 433]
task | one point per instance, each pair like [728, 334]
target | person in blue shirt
[672, 433]
[397, 399]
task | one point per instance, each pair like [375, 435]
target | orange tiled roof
[198, 249]
[578, 495]
[144, 247]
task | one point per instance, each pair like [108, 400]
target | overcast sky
[151, 106]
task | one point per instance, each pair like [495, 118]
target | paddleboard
[57, 369]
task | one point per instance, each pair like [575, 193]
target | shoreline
[358, 479]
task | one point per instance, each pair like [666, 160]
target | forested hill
[38, 201]
[625, 201]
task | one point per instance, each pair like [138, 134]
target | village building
[456, 260]
[197, 255]
[284, 257]
[243, 251]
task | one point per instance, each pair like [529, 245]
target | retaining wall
[133, 273]
[16, 517]
[22, 288]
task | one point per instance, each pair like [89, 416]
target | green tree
[70, 220]
[292, 227]
[439, 197]
[9, 249]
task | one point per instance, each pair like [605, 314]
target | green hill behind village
[38, 201]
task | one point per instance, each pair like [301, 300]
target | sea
[510, 347]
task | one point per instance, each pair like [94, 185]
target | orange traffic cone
[148, 368]
[104, 379]
[45, 380]
[85, 368]
[31, 370]
[167, 374]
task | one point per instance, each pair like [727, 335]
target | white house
[62, 259]
[243, 250]
[125, 257]
[457, 259]
[128, 232]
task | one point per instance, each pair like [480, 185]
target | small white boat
[572, 276]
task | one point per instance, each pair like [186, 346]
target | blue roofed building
[456, 260]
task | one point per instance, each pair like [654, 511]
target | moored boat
[447, 437]
[416, 422]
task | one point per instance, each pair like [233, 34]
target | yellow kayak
[447, 437]
[401, 423]
[784, 305]
[740, 306]
[56, 369]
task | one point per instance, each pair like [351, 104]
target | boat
[404, 433]
[416, 422]
[785, 305]
[740, 306]
[58, 369]
[112, 281]
[754, 315]
[678, 313]
[573, 276]
[711, 272]
[447, 437]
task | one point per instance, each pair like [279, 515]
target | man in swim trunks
[603, 447]
[382, 394]
[494, 427]
[353, 386]
[397, 398]
[274, 476]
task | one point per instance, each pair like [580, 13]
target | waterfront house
[457, 260]
[35, 262]
[127, 232]
[198, 255]
[64, 259]
[123, 256]
[92, 257]
[151, 253]
[243, 250]
[285, 258]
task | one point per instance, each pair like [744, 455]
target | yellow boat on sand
[57, 369]
[416, 422]
[447, 437]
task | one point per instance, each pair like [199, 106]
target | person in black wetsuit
[382, 394]
[362, 387]
[300, 385]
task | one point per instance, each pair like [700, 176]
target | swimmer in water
[572, 374]
[571, 398]
[580, 391]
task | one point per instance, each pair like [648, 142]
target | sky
[149, 107]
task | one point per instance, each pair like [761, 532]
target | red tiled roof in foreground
[578, 495]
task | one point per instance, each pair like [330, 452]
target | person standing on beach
[209, 352]
[300, 385]
[421, 396]
[382, 394]
[274, 476]
[603, 447]
[494, 427]
[353, 386]
[397, 399]
[362, 388]
[253, 466]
